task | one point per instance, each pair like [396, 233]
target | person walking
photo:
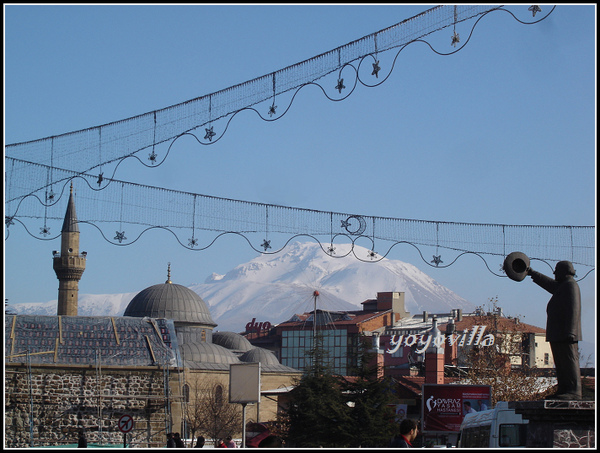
[170, 440]
[200, 442]
[82, 441]
[178, 441]
[408, 433]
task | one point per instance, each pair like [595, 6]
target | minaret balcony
[69, 266]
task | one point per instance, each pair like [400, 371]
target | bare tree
[210, 414]
[501, 366]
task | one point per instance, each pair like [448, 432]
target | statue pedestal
[558, 424]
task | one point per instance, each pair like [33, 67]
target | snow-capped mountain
[275, 287]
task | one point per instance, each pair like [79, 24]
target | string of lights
[121, 214]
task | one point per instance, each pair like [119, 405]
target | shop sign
[254, 326]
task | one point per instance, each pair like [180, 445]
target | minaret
[69, 264]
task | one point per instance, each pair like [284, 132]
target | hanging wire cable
[89, 150]
[33, 167]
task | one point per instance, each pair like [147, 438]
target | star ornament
[193, 242]
[44, 231]
[345, 224]
[209, 134]
[437, 259]
[376, 69]
[455, 39]
[340, 85]
[120, 236]
[266, 245]
[272, 110]
[534, 9]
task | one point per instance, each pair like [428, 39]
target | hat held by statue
[516, 265]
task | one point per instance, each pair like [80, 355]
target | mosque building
[129, 379]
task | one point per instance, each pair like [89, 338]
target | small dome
[170, 301]
[264, 356]
[207, 353]
[231, 340]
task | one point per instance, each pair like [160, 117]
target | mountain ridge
[274, 287]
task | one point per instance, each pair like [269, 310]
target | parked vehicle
[493, 428]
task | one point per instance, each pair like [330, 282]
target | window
[512, 435]
[475, 437]
[219, 395]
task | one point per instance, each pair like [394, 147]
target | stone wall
[63, 401]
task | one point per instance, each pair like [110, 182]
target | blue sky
[503, 131]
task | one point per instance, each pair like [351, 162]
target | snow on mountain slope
[274, 287]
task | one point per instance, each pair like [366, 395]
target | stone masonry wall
[64, 401]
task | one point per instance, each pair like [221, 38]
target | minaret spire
[169, 273]
[69, 264]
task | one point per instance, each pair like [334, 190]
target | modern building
[340, 333]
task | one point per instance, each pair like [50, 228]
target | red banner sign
[445, 406]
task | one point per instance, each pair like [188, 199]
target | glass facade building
[340, 349]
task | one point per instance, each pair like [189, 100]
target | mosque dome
[268, 360]
[207, 355]
[261, 355]
[170, 301]
[231, 340]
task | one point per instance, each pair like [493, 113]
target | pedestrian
[220, 444]
[178, 441]
[170, 440]
[229, 442]
[408, 433]
[200, 442]
[82, 441]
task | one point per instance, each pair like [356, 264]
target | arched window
[219, 395]
[186, 393]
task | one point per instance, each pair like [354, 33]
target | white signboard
[244, 383]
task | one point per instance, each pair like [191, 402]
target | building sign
[254, 326]
[445, 406]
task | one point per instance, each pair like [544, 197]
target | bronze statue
[563, 323]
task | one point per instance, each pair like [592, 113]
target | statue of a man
[563, 327]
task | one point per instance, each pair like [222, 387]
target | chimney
[425, 316]
[398, 307]
[459, 315]
[434, 357]
[450, 348]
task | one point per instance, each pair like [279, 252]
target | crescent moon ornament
[362, 225]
